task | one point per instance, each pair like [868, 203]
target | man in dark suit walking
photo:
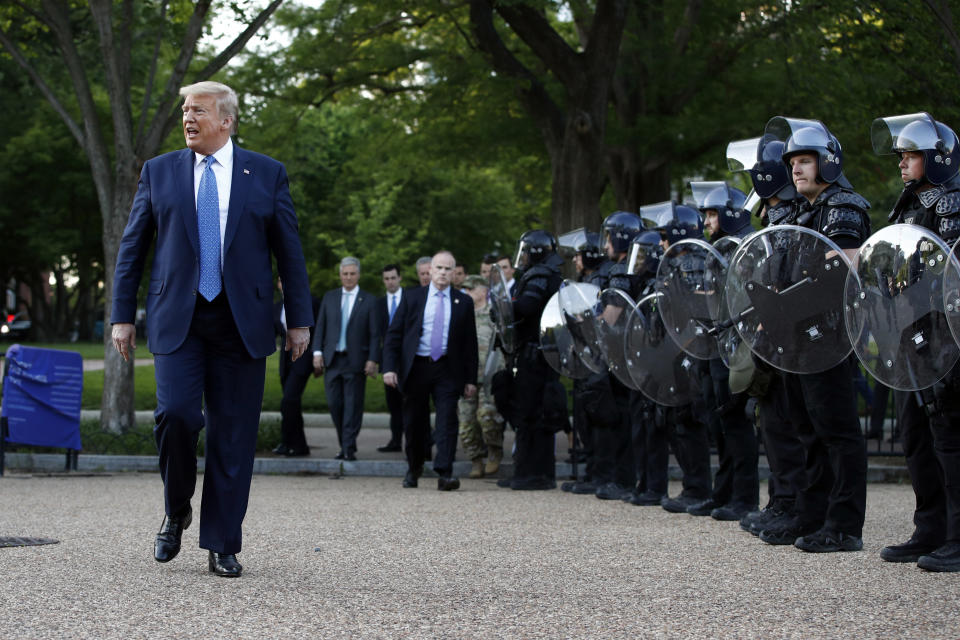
[293, 380]
[387, 307]
[431, 350]
[346, 346]
[215, 213]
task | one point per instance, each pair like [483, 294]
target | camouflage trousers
[480, 424]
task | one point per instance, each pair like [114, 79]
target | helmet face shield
[742, 154]
[919, 132]
[520, 261]
[808, 136]
[572, 241]
[644, 253]
[702, 192]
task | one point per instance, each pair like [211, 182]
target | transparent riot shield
[613, 318]
[785, 296]
[659, 368]
[501, 311]
[557, 344]
[715, 281]
[894, 308]
[578, 307]
[688, 292]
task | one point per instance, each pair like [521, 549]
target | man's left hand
[370, 368]
[297, 341]
[470, 390]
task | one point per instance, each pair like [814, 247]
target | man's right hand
[390, 379]
[124, 336]
[317, 366]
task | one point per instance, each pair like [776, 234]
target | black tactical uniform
[781, 442]
[584, 419]
[534, 464]
[736, 484]
[928, 419]
[822, 406]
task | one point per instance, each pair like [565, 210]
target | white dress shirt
[429, 311]
[223, 172]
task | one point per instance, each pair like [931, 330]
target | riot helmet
[809, 136]
[762, 158]
[619, 228]
[679, 222]
[729, 203]
[645, 253]
[534, 247]
[587, 244]
[921, 133]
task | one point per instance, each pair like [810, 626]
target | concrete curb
[54, 463]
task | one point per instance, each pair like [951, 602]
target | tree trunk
[117, 407]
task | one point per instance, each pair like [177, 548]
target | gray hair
[350, 261]
[424, 260]
[227, 104]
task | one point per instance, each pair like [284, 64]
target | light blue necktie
[344, 317]
[208, 220]
[393, 307]
[436, 336]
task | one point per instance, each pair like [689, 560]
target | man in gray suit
[346, 347]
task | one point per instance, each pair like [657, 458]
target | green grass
[87, 350]
[139, 441]
[314, 397]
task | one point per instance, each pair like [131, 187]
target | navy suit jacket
[363, 329]
[260, 222]
[403, 336]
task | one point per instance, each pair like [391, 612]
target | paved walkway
[364, 558]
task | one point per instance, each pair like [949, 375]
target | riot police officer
[763, 159]
[593, 267]
[736, 484]
[613, 459]
[534, 465]
[687, 430]
[929, 154]
[651, 454]
[822, 405]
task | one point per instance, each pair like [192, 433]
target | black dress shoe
[945, 558]
[281, 449]
[389, 448]
[167, 545]
[410, 480]
[297, 453]
[448, 484]
[225, 565]
[339, 456]
[909, 551]
[350, 457]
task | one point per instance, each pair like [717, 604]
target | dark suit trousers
[428, 378]
[210, 370]
[291, 405]
[395, 406]
[345, 393]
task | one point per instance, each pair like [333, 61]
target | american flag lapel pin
[246, 171]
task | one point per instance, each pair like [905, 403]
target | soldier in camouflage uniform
[481, 426]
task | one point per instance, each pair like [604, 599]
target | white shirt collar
[223, 156]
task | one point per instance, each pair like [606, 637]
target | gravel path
[361, 557]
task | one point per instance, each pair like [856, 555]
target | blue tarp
[42, 392]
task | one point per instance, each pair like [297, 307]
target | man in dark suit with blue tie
[431, 350]
[214, 213]
[387, 307]
[346, 345]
